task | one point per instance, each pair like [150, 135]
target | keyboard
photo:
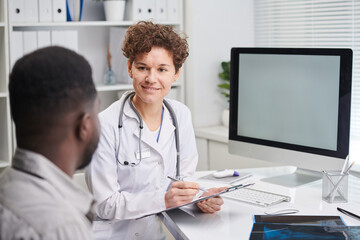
[257, 197]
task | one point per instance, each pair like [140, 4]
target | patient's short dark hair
[49, 83]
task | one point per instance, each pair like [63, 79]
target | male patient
[54, 106]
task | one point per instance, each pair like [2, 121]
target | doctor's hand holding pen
[181, 193]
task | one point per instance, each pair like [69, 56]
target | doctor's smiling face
[153, 74]
[155, 56]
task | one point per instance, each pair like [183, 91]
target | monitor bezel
[343, 131]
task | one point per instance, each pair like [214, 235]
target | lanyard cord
[162, 116]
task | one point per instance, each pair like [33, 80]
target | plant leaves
[224, 76]
[224, 86]
[226, 67]
[225, 94]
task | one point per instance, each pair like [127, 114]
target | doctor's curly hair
[141, 37]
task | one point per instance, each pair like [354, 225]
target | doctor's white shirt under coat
[124, 193]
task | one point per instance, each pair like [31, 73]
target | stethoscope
[128, 98]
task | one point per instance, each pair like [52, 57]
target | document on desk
[230, 189]
[301, 227]
[271, 231]
[300, 220]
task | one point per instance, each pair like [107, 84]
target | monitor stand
[295, 179]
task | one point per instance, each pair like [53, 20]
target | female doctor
[138, 145]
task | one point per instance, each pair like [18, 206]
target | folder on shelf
[30, 41]
[118, 60]
[173, 10]
[59, 10]
[71, 40]
[45, 10]
[17, 10]
[44, 39]
[141, 9]
[57, 38]
[16, 46]
[65, 38]
[161, 10]
[31, 11]
[74, 10]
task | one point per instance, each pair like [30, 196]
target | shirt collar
[38, 165]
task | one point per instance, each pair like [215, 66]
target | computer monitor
[291, 106]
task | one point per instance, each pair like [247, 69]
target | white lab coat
[124, 193]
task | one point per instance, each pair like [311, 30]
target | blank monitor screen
[304, 110]
[295, 99]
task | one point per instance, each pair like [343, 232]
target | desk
[235, 220]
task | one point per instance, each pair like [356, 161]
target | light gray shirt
[39, 201]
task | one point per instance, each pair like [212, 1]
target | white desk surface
[235, 220]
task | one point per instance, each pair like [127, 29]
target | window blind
[314, 23]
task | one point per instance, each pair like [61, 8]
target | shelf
[217, 133]
[3, 95]
[19, 26]
[2, 24]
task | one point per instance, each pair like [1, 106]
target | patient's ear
[84, 127]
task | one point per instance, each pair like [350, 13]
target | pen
[345, 164]
[200, 188]
[348, 213]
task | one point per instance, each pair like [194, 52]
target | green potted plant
[225, 90]
[225, 77]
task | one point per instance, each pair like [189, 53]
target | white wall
[213, 27]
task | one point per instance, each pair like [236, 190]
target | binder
[57, 38]
[29, 41]
[16, 47]
[59, 10]
[17, 10]
[74, 10]
[65, 38]
[45, 10]
[173, 10]
[143, 9]
[71, 40]
[31, 11]
[161, 10]
[118, 60]
[44, 39]
[149, 9]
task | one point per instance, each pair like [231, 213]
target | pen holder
[335, 187]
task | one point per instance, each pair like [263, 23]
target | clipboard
[230, 189]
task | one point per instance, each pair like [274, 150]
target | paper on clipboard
[230, 189]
